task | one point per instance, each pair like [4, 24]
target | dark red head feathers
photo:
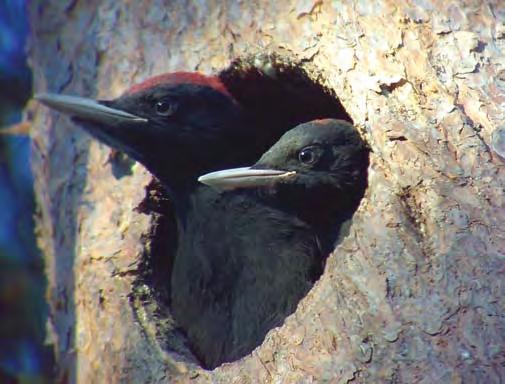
[181, 78]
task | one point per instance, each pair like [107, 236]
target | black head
[316, 168]
[178, 125]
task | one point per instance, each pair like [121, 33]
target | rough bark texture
[415, 293]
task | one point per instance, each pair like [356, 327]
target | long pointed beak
[246, 177]
[87, 109]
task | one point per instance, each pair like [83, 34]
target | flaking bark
[415, 293]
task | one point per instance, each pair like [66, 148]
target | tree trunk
[415, 293]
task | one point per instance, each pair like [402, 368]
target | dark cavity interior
[274, 89]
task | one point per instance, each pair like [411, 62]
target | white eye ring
[165, 107]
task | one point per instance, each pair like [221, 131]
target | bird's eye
[307, 156]
[165, 107]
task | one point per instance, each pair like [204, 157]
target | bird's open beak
[246, 177]
[88, 109]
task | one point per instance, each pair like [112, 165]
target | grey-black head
[316, 168]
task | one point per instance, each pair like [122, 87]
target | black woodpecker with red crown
[178, 125]
[182, 125]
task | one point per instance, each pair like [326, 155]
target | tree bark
[415, 293]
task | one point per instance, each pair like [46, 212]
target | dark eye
[165, 107]
[307, 156]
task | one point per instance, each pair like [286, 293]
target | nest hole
[275, 89]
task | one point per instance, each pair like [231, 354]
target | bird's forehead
[309, 134]
[177, 78]
[317, 132]
[324, 131]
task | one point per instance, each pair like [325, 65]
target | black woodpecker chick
[179, 126]
[251, 253]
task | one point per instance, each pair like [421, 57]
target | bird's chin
[104, 136]
[97, 132]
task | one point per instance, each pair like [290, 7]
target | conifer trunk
[415, 293]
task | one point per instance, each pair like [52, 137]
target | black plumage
[180, 126]
[249, 255]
